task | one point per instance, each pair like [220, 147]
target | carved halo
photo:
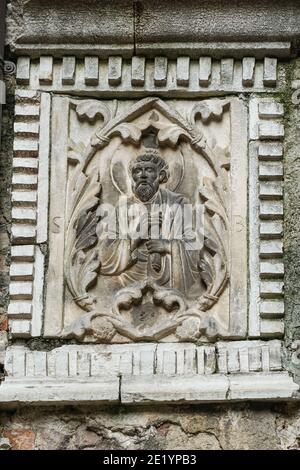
[119, 170]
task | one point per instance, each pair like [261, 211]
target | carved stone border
[29, 212]
[138, 76]
[266, 268]
[238, 295]
[240, 370]
[145, 373]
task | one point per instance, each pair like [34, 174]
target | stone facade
[249, 348]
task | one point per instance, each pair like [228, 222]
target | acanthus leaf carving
[82, 259]
[80, 263]
[209, 110]
[90, 110]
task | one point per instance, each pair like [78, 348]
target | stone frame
[53, 311]
[234, 370]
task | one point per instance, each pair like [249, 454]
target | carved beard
[145, 191]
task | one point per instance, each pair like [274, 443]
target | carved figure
[162, 242]
[146, 270]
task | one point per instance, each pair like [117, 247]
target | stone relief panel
[147, 231]
[148, 210]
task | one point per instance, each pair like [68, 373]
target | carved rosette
[189, 321]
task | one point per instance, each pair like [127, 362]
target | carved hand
[159, 246]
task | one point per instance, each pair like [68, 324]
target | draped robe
[176, 269]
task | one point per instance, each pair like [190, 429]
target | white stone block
[22, 252]
[25, 148]
[46, 70]
[138, 71]
[23, 214]
[68, 70]
[233, 360]
[270, 151]
[91, 70]
[160, 71]
[181, 389]
[27, 111]
[200, 360]
[253, 122]
[271, 268]
[18, 359]
[270, 170]
[24, 181]
[261, 386]
[275, 355]
[169, 363]
[271, 229]
[254, 359]
[23, 70]
[83, 364]
[147, 362]
[29, 364]
[19, 309]
[244, 359]
[26, 128]
[271, 209]
[26, 96]
[21, 290]
[61, 363]
[227, 71]
[271, 248]
[248, 65]
[114, 70]
[209, 359]
[271, 309]
[22, 233]
[20, 328]
[180, 361]
[125, 363]
[102, 391]
[25, 164]
[270, 190]
[40, 363]
[265, 358]
[222, 360]
[21, 271]
[190, 361]
[51, 365]
[167, 359]
[270, 130]
[205, 68]
[271, 289]
[270, 109]
[270, 71]
[73, 363]
[183, 71]
[271, 328]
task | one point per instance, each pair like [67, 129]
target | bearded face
[146, 180]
